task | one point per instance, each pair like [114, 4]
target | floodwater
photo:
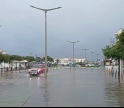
[80, 87]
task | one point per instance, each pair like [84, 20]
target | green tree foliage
[16, 57]
[29, 58]
[9, 58]
[120, 44]
[6, 58]
[48, 58]
[117, 50]
[107, 51]
[1, 58]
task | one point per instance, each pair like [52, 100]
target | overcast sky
[91, 22]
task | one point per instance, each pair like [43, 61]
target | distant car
[83, 65]
[37, 69]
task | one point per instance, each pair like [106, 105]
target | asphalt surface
[90, 87]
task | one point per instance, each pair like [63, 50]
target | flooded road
[90, 87]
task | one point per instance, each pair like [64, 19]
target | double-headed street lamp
[85, 52]
[45, 10]
[73, 48]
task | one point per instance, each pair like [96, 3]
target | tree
[48, 59]
[57, 61]
[117, 50]
[1, 58]
[6, 58]
[29, 58]
[107, 51]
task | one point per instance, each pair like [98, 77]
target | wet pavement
[90, 87]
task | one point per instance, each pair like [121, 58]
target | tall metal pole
[45, 10]
[45, 43]
[85, 52]
[97, 57]
[73, 52]
[92, 57]
[73, 48]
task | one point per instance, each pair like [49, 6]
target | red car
[37, 69]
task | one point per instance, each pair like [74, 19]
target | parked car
[37, 69]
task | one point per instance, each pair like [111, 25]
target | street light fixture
[45, 10]
[73, 48]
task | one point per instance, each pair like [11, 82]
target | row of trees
[9, 58]
[116, 51]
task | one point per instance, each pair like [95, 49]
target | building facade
[2, 52]
[65, 61]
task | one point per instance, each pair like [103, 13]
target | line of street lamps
[45, 10]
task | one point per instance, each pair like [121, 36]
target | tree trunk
[118, 67]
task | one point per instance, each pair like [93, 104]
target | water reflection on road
[82, 87]
[43, 87]
[115, 89]
[79, 87]
[90, 88]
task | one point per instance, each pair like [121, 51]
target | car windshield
[37, 66]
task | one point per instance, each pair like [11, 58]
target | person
[7, 69]
[70, 65]
[19, 66]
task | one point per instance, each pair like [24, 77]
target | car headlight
[38, 70]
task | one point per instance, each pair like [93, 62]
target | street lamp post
[97, 57]
[92, 57]
[45, 10]
[73, 48]
[85, 52]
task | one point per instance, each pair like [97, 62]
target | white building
[2, 52]
[119, 31]
[66, 61]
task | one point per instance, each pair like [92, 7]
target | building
[65, 61]
[2, 52]
[119, 31]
